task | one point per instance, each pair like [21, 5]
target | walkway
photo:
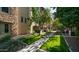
[73, 43]
[36, 45]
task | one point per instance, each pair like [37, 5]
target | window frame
[3, 10]
[25, 19]
[6, 30]
[22, 19]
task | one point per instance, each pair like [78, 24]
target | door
[7, 28]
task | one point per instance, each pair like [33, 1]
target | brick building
[15, 20]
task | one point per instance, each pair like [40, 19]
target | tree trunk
[69, 32]
[31, 28]
[41, 29]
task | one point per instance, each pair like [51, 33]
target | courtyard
[39, 29]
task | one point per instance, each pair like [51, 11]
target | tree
[69, 17]
[35, 17]
[41, 16]
[57, 25]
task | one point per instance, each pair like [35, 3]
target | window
[5, 9]
[25, 20]
[21, 19]
[6, 28]
[54, 8]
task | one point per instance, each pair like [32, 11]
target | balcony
[5, 17]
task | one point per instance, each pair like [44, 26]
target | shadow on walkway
[73, 43]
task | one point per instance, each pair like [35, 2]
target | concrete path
[36, 45]
[73, 43]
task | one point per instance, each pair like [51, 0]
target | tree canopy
[69, 16]
[41, 15]
[57, 24]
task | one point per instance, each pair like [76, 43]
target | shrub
[30, 39]
[5, 38]
[77, 33]
[15, 46]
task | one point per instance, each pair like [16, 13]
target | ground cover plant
[55, 44]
